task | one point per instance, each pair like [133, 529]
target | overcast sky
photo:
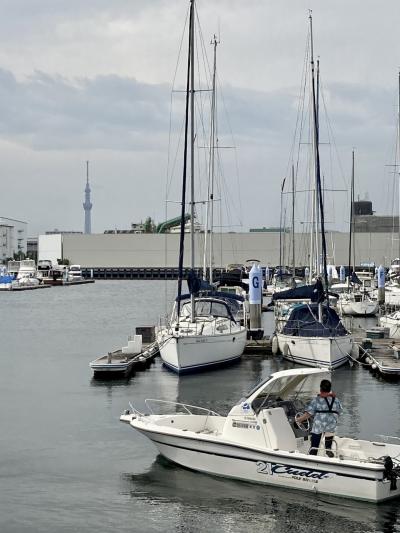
[92, 81]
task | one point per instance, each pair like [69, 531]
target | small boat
[122, 362]
[259, 441]
[392, 321]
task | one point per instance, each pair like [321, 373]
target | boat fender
[355, 351]
[389, 472]
[275, 345]
[285, 350]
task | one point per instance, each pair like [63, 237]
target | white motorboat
[394, 270]
[26, 276]
[392, 293]
[75, 273]
[259, 441]
[392, 321]
[214, 337]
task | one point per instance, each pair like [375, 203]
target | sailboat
[356, 301]
[204, 330]
[311, 332]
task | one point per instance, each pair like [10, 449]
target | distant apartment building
[13, 237]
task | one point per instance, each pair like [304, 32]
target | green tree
[149, 226]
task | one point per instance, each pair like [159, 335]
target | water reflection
[209, 503]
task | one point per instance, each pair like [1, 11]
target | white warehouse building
[13, 237]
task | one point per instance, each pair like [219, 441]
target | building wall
[376, 224]
[155, 250]
[50, 247]
[13, 237]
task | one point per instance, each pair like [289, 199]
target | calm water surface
[68, 464]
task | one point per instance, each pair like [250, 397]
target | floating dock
[380, 355]
[62, 282]
[25, 288]
[259, 347]
[117, 364]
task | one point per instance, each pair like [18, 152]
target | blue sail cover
[303, 322]
[196, 284]
[315, 293]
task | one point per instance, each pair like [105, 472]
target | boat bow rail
[152, 404]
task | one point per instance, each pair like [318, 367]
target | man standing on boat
[325, 408]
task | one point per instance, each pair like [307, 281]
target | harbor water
[67, 464]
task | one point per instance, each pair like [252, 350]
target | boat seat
[279, 430]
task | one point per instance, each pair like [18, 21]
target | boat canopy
[303, 322]
[288, 384]
[208, 307]
[315, 293]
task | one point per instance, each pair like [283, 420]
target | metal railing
[186, 407]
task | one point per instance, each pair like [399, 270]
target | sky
[92, 81]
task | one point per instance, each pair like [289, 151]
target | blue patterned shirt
[326, 421]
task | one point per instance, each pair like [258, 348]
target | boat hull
[327, 352]
[294, 472]
[193, 353]
[365, 308]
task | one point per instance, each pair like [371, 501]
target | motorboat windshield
[288, 385]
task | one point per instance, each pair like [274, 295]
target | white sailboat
[311, 333]
[203, 331]
[356, 301]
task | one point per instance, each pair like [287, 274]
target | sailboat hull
[327, 352]
[363, 308]
[193, 353]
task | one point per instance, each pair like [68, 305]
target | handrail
[184, 405]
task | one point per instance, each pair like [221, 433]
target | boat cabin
[227, 306]
[268, 411]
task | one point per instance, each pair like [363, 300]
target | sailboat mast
[192, 262]
[316, 119]
[318, 172]
[315, 210]
[351, 216]
[398, 142]
[293, 237]
[212, 159]
[183, 201]
[353, 195]
[313, 201]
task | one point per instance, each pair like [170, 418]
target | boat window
[219, 309]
